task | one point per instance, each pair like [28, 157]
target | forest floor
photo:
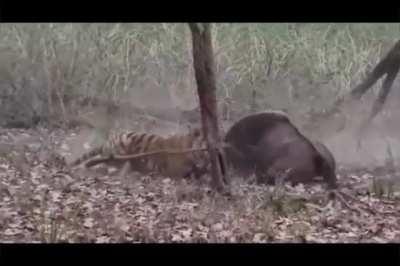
[43, 201]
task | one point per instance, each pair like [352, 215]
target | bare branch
[390, 66]
[136, 156]
[97, 161]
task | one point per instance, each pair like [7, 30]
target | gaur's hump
[278, 113]
[268, 114]
[250, 128]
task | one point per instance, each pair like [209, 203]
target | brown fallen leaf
[88, 222]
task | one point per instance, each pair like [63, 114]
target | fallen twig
[113, 157]
[340, 194]
[96, 161]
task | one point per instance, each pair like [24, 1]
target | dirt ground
[44, 201]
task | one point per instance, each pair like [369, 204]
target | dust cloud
[378, 142]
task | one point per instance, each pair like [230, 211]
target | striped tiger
[171, 164]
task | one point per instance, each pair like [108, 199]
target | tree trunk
[203, 63]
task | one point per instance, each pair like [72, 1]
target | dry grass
[48, 68]
[52, 72]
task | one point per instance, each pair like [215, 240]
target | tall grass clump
[53, 71]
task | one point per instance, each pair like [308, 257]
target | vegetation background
[105, 74]
[51, 72]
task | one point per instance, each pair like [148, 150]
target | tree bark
[203, 63]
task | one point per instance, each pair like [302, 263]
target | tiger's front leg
[125, 169]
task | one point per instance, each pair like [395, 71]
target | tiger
[178, 163]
